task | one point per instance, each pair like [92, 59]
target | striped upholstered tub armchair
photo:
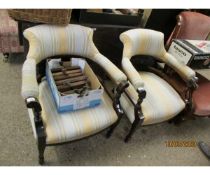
[49, 126]
[150, 99]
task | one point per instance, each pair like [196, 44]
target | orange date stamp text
[180, 143]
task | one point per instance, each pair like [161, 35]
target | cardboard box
[194, 53]
[73, 101]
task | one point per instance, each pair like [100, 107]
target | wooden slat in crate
[70, 79]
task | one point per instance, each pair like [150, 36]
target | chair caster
[6, 57]
[41, 160]
[5, 60]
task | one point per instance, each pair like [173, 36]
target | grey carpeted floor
[147, 147]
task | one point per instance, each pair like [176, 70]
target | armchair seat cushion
[162, 102]
[69, 126]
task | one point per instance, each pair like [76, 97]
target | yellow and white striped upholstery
[69, 126]
[161, 103]
[149, 42]
[29, 80]
[48, 40]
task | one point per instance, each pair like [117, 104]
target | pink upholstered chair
[9, 40]
[190, 25]
[194, 26]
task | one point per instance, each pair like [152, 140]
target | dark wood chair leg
[117, 106]
[132, 130]
[41, 149]
[176, 120]
[112, 127]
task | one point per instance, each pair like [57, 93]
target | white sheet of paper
[78, 62]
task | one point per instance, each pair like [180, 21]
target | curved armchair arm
[115, 74]
[29, 80]
[33, 103]
[186, 73]
[138, 84]
[132, 73]
[137, 108]
[117, 94]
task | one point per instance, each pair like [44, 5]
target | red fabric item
[190, 25]
[9, 40]
[201, 97]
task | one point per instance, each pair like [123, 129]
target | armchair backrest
[190, 25]
[48, 40]
[143, 42]
[149, 42]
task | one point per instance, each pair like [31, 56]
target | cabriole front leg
[33, 103]
[139, 118]
[117, 106]
[41, 136]
[41, 139]
[132, 130]
[41, 149]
